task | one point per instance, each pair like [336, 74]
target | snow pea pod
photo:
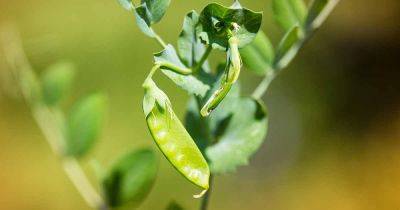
[231, 75]
[172, 138]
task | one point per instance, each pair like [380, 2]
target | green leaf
[238, 133]
[143, 20]
[149, 13]
[56, 82]
[288, 47]
[242, 134]
[220, 23]
[126, 4]
[318, 12]
[289, 12]
[187, 82]
[84, 124]
[190, 48]
[203, 130]
[156, 8]
[259, 55]
[174, 206]
[130, 179]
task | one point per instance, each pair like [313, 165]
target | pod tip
[201, 194]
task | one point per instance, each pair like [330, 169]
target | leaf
[169, 59]
[217, 21]
[126, 4]
[187, 82]
[84, 124]
[196, 125]
[143, 20]
[174, 206]
[203, 130]
[318, 12]
[238, 133]
[156, 8]
[190, 48]
[149, 13]
[289, 12]
[130, 179]
[288, 47]
[56, 82]
[258, 56]
[242, 135]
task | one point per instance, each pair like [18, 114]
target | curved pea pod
[216, 98]
[234, 60]
[231, 75]
[172, 138]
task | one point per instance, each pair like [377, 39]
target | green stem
[206, 199]
[160, 41]
[175, 68]
[75, 173]
[272, 72]
[152, 72]
[203, 59]
[264, 84]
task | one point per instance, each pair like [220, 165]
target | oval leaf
[57, 82]
[218, 22]
[84, 124]
[259, 55]
[289, 12]
[143, 20]
[205, 130]
[126, 4]
[243, 133]
[130, 179]
[156, 8]
[190, 48]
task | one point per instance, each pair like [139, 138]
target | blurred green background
[334, 137]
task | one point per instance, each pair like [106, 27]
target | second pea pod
[172, 138]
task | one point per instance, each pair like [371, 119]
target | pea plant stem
[264, 84]
[48, 119]
[159, 40]
[206, 199]
[75, 173]
[203, 59]
[272, 72]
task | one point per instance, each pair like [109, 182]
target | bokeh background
[334, 137]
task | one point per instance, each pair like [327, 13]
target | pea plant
[223, 127]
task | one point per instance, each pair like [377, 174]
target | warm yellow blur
[334, 138]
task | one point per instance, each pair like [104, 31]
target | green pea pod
[231, 75]
[235, 61]
[216, 99]
[172, 138]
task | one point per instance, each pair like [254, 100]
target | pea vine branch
[222, 129]
[216, 138]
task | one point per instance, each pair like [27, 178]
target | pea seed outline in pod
[175, 142]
